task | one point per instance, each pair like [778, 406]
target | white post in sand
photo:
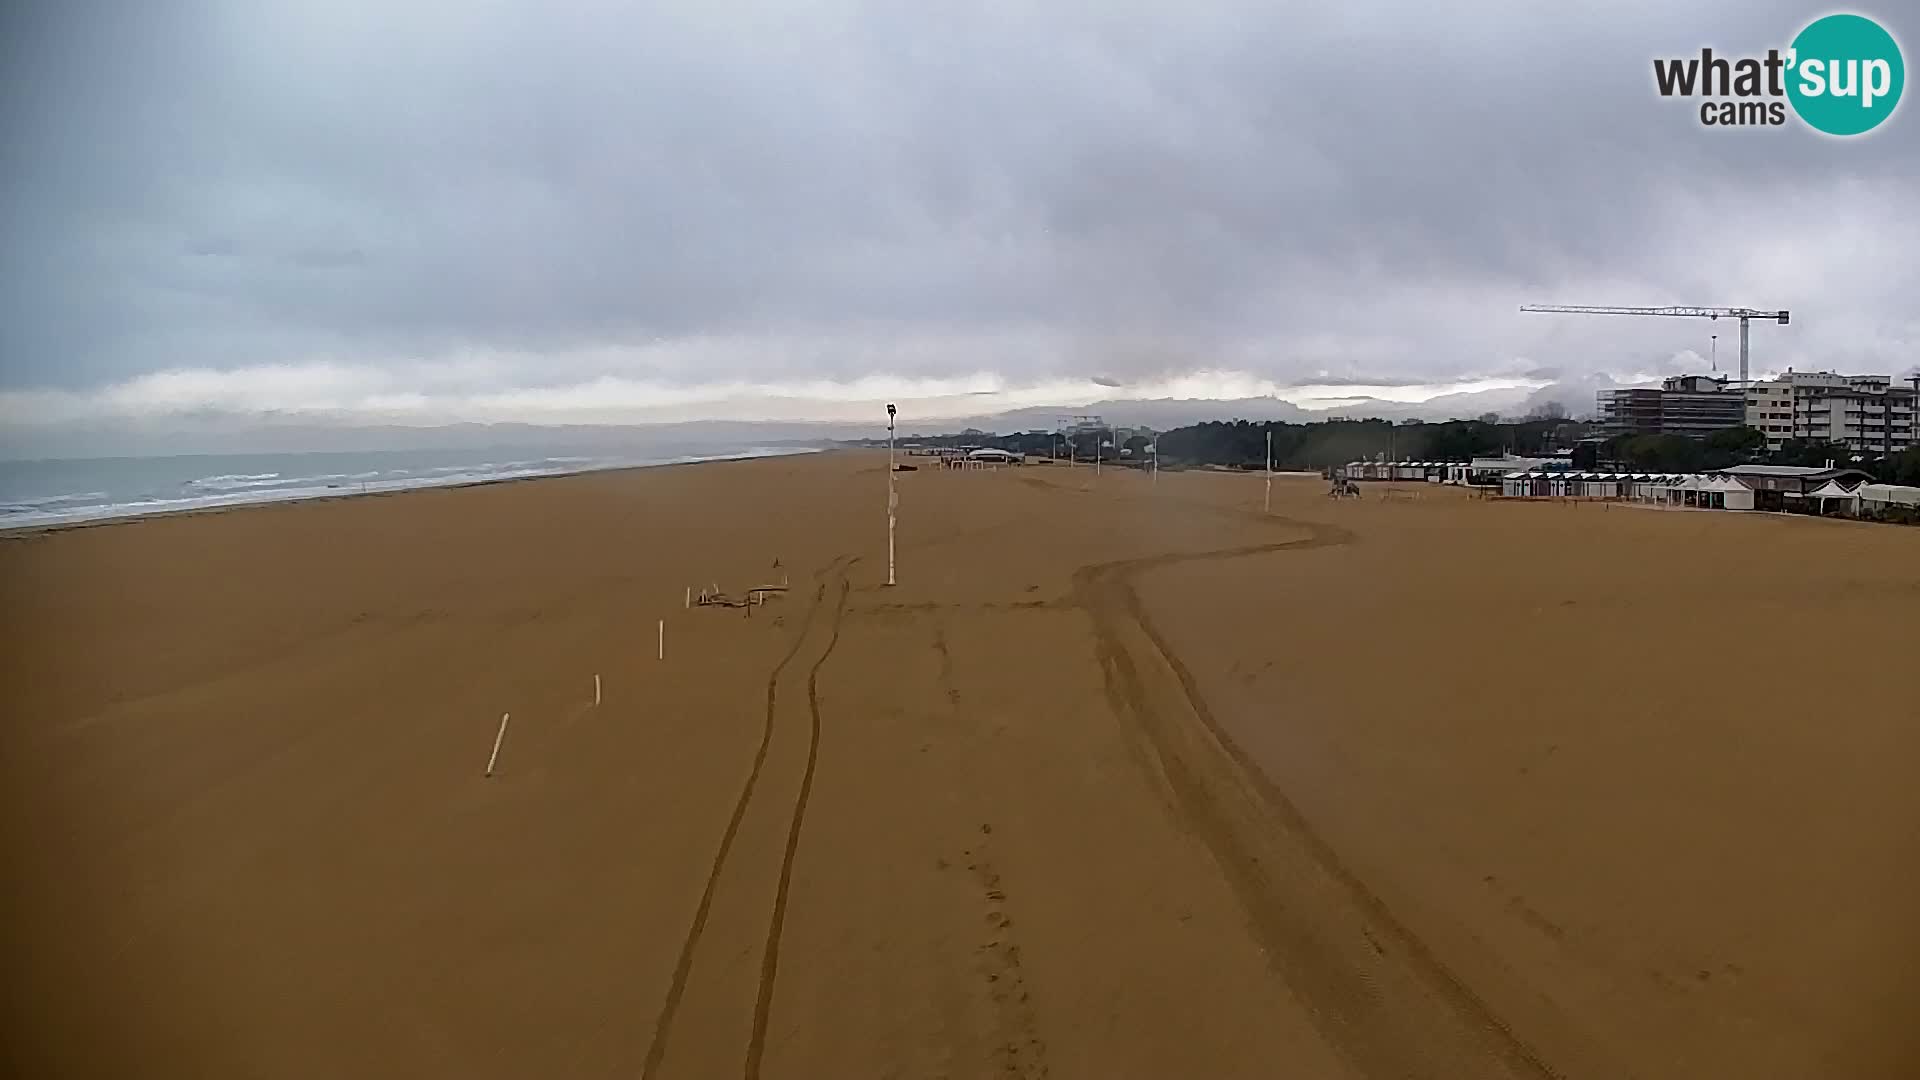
[495, 756]
[596, 688]
[663, 639]
[893, 499]
[1268, 507]
[689, 603]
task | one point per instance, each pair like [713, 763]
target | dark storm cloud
[480, 199]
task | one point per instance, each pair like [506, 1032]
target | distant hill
[269, 434]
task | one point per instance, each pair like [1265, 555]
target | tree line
[1316, 445]
[1745, 445]
[1324, 444]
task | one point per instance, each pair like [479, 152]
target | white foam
[232, 479]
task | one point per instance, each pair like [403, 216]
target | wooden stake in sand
[663, 639]
[596, 689]
[497, 739]
[689, 598]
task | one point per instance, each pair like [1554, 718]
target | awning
[1892, 494]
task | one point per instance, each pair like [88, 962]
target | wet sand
[1121, 779]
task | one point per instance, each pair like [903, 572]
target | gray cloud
[346, 206]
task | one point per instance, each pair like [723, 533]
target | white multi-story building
[1770, 410]
[1866, 412]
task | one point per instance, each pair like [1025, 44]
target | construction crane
[1743, 314]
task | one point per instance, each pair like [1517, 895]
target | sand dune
[1123, 779]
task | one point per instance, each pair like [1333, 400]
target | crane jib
[1745, 315]
[1780, 316]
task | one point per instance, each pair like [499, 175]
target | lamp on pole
[893, 500]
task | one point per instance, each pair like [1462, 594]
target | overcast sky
[565, 211]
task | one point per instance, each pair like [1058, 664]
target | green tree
[1811, 452]
[1737, 440]
[1903, 467]
[1660, 453]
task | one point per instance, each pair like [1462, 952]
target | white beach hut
[1849, 498]
[1731, 494]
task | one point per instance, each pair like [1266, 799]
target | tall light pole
[1267, 506]
[893, 499]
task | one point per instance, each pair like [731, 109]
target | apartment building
[1868, 413]
[1770, 410]
[1691, 405]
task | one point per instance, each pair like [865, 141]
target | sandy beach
[1124, 778]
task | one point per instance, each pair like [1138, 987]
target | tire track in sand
[1374, 990]
[770, 955]
[683, 967]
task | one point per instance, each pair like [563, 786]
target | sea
[58, 491]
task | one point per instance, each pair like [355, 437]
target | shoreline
[22, 532]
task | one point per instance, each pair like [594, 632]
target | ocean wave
[555, 464]
[231, 479]
[23, 506]
[248, 485]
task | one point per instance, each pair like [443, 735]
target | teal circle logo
[1845, 74]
